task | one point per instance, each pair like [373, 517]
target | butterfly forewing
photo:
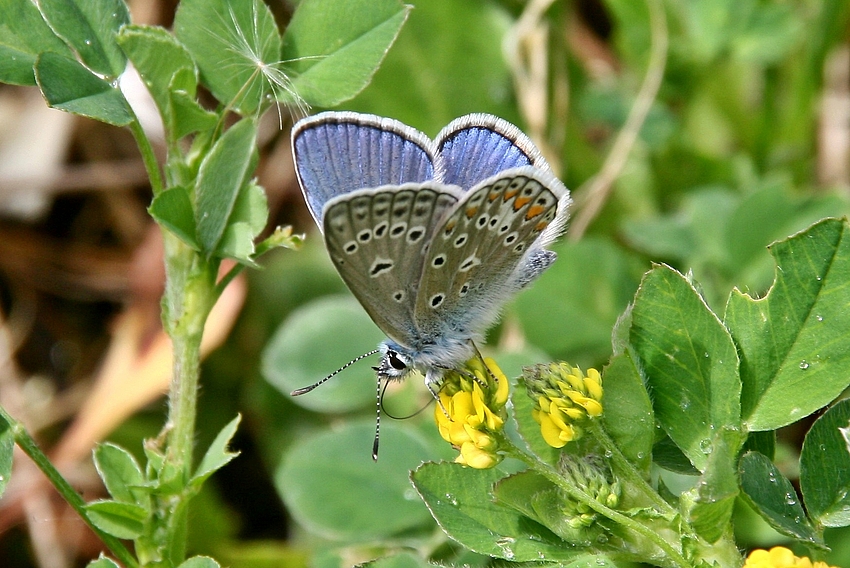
[337, 153]
[477, 146]
[469, 270]
[377, 239]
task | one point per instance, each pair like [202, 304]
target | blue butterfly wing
[475, 147]
[336, 153]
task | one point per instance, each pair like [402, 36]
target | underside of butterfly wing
[489, 246]
[377, 239]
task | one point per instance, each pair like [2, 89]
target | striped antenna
[304, 390]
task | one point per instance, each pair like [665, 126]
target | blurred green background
[743, 139]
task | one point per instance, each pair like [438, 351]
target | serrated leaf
[23, 36]
[199, 562]
[7, 452]
[173, 210]
[333, 47]
[796, 339]
[69, 86]
[103, 562]
[825, 467]
[774, 498]
[120, 472]
[454, 494]
[713, 498]
[222, 174]
[89, 29]
[123, 520]
[690, 362]
[236, 46]
[217, 455]
[627, 411]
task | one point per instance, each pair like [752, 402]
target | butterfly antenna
[304, 390]
[409, 416]
[379, 397]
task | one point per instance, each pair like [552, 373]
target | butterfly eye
[395, 362]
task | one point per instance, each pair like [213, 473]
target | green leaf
[250, 213]
[690, 362]
[217, 455]
[7, 452]
[69, 86]
[825, 467]
[773, 497]
[627, 411]
[173, 210]
[400, 560]
[713, 498]
[332, 487]
[794, 341]
[199, 562]
[169, 73]
[120, 472]
[89, 29]
[333, 47]
[221, 177]
[188, 116]
[123, 520]
[23, 36]
[341, 330]
[539, 499]
[103, 562]
[456, 497]
[236, 46]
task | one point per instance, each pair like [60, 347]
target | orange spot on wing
[471, 211]
[541, 225]
[510, 193]
[534, 211]
[520, 201]
[493, 196]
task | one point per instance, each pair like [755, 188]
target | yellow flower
[780, 557]
[472, 410]
[564, 397]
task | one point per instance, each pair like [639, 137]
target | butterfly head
[395, 364]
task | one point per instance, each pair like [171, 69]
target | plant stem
[148, 156]
[626, 470]
[30, 448]
[189, 297]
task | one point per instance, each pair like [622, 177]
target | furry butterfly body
[431, 236]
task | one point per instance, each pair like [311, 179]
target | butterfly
[431, 236]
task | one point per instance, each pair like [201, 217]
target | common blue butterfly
[431, 236]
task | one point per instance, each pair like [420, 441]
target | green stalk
[189, 296]
[30, 448]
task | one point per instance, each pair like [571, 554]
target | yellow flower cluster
[563, 398]
[472, 410]
[780, 557]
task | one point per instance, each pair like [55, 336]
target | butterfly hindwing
[475, 147]
[377, 239]
[489, 245]
[338, 152]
